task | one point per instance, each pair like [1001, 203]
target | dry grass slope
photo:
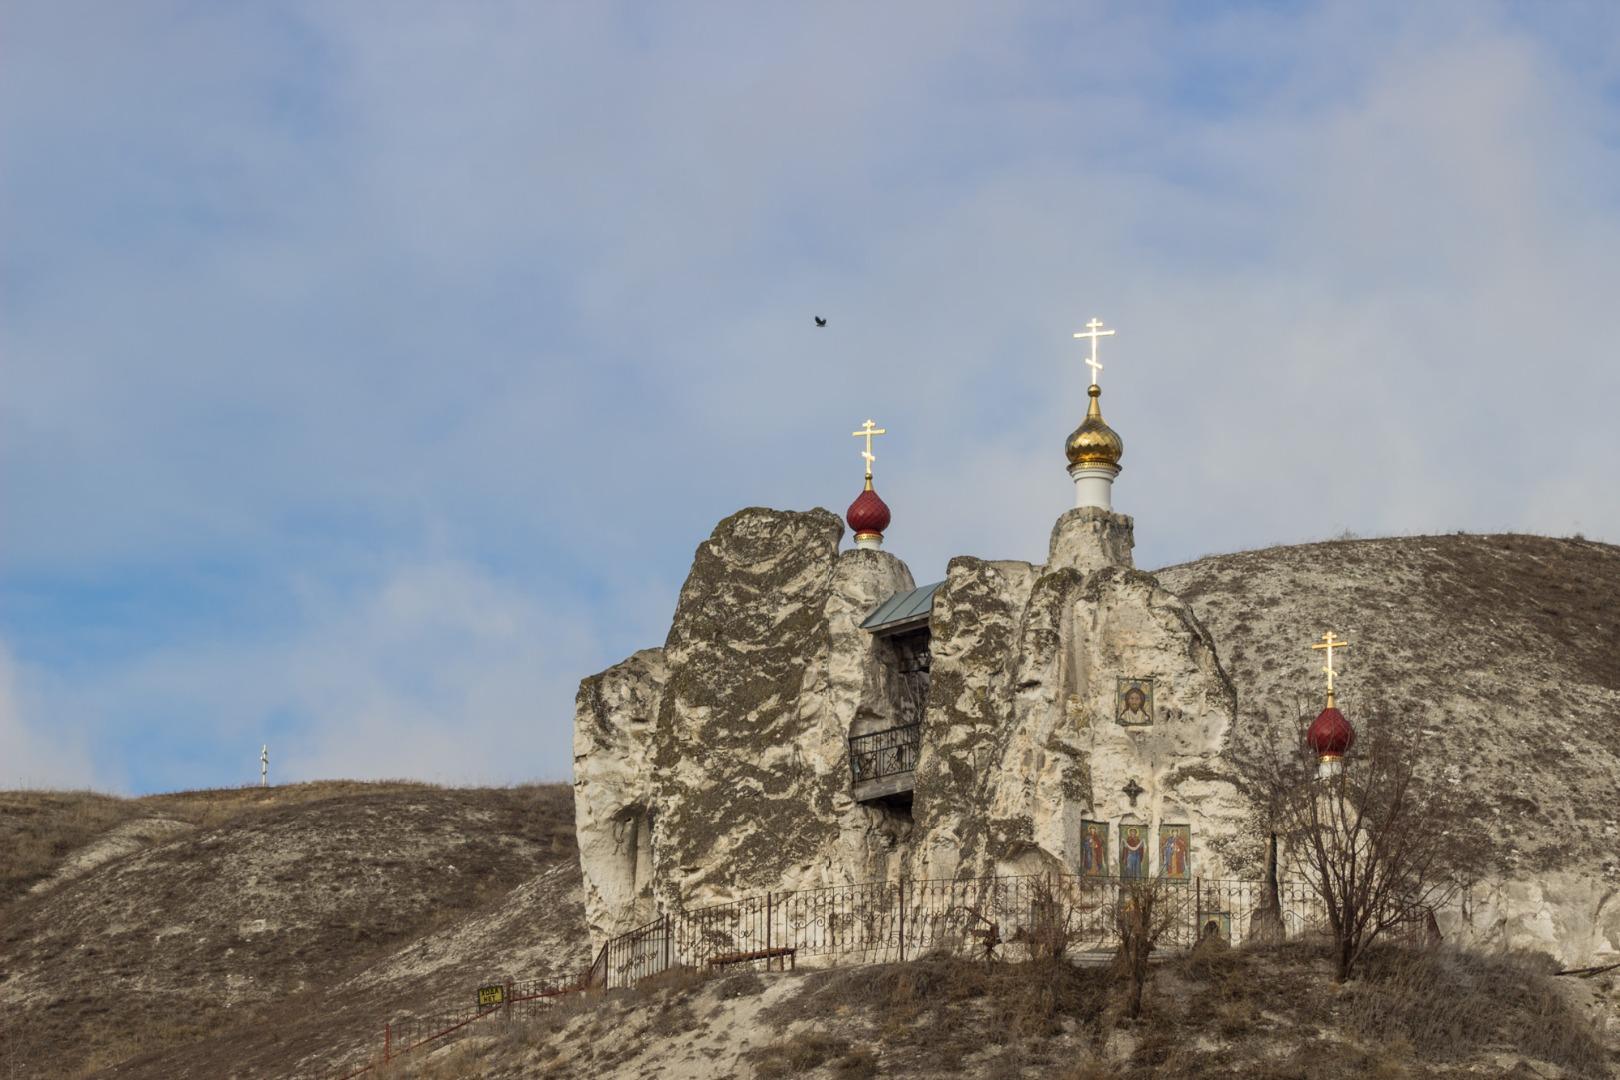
[41, 830]
[1261, 1014]
[224, 938]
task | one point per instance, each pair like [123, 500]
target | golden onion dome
[1094, 442]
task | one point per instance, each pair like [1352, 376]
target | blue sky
[372, 370]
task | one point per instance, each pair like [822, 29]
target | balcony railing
[881, 754]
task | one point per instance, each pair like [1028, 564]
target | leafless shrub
[806, 1051]
[1089, 1068]
[857, 1063]
[985, 933]
[743, 984]
[1147, 910]
[1380, 848]
[1056, 923]
[674, 1017]
[919, 1002]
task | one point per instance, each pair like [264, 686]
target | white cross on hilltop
[1094, 331]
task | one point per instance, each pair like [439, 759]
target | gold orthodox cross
[1094, 331]
[1329, 642]
[868, 431]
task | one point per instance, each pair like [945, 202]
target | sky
[369, 372]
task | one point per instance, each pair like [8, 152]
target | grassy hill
[268, 934]
[267, 931]
[1257, 1014]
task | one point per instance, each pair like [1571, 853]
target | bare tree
[1380, 847]
[1060, 918]
[1148, 909]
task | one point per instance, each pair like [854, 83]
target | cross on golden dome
[1094, 331]
[1094, 443]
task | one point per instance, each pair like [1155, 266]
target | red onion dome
[868, 514]
[1330, 735]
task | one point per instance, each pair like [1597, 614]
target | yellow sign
[491, 995]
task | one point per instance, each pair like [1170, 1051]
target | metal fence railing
[875, 922]
[884, 753]
[897, 920]
[520, 1002]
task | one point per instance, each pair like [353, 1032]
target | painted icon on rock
[1175, 852]
[1093, 848]
[1133, 851]
[1133, 703]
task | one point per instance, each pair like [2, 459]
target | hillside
[269, 931]
[1254, 1014]
[1503, 650]
[380, 900]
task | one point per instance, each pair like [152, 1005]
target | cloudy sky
[369, 371]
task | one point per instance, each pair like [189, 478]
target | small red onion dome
[868, 515]
[1330, 735]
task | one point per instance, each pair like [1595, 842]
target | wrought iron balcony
[881, 763]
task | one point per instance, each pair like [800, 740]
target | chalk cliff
[720, 766]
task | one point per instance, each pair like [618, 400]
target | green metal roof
[903, 610]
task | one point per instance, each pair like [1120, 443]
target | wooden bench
[785, 957]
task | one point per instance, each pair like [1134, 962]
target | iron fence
[521, 1002]
[875, 922]
[1232, 906]
[884, 753]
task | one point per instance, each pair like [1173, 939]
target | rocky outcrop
[615, 714]
[1085, 697]
[737, 800]
[977, 622]
[1024, 744]
[1572, 914]
[1089, 538]
[718, 766]
[1069, 756]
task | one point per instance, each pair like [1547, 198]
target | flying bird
[820, 321]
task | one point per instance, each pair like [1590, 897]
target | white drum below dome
[1093, 485]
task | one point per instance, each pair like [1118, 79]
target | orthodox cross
[1329, 642]
[264, 765]
[868, 431]
[1094, 331]
[1133, 789]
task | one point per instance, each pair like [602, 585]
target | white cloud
[439, 672]
[434, 670]
[37, 749]
[474, 321]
